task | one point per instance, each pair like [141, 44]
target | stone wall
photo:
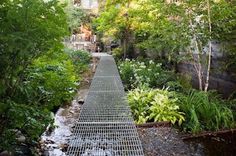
[221, 80]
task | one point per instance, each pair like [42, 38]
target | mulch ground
[162, 141]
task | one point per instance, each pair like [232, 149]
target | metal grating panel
[107, 67]
[105, 126]
[101, 139]
[106, 84]
[106, 70]
[105, 99]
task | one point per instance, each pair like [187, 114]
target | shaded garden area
[176, 60]
[157, 36]
[38, 74]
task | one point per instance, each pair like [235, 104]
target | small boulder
[81, 101]
[5, 153]
[21, 139]
[64, 147]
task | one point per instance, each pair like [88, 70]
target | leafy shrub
[76, 16]
[48, 83]
[127, 72]
[181, 84]
[204, 112]
[231, 104]
[134, 74]
[52, 81]
[36, 75]
[117, 53]
[40, 25]
[154, 105]
[27, 120]
[30, 81]
[80, 59]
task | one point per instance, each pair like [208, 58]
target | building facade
[87, 4]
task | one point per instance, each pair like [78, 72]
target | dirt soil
[163, 141]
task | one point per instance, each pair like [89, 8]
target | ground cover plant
[179, 31]
[80, 59]
[185, 32]
[38, 75]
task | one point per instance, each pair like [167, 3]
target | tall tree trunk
[125, 47]
[199, 67]
[127, 31]
[210, 46]
[197, 61]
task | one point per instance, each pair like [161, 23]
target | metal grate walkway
[105, 126]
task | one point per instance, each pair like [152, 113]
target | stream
[56, 142]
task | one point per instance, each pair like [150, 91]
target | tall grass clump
[204, 112]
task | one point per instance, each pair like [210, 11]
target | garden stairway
[105, 126]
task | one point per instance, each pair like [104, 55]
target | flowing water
[56, 142]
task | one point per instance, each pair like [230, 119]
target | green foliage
[117, 53]
[231, 104]
[154, 105]
[36, 75]
[134, 73]
[76, 16]
[114, 23]
[177, 31]
[171, 27]
[29, 28]
[51, 80]
[110, 22]
[182, 83]
[80, 59]
[28, 120]
[126, 70]
[204, 112]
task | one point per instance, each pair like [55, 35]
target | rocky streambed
[55, 143]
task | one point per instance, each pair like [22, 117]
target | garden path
[105, 126]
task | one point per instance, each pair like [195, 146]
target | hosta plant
[154, 105]
[164, 108]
